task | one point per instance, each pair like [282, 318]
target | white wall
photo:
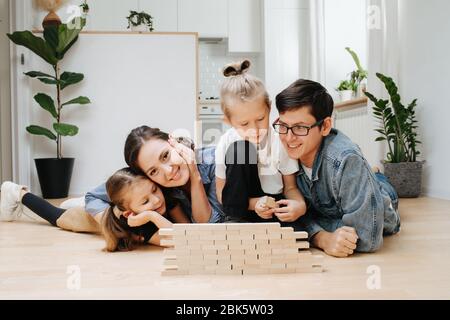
[425, 75]
[286, 27]
[345, 26]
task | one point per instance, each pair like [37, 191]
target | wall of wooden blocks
[236, 248]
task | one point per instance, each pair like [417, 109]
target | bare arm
[294, 206]
[220, 184]
[178, 216]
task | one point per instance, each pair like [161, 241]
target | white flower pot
[139, 28]
[346, 95]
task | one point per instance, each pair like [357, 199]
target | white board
[132, 79]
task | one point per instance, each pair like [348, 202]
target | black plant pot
[54, 176]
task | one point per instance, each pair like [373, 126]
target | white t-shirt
[273, 160]
[308, 171]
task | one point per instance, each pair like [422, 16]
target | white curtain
[315, 53]
[383, 52]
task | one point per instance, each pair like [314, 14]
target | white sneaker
[72, 203]
[10, 206]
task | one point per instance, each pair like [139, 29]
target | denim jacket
[97, 200]
[345, 192]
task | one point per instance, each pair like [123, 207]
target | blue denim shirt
[344, 191]
[97, 200]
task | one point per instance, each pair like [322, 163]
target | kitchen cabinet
[207, 17]
[244, 25]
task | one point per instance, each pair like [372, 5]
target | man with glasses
[350, 207]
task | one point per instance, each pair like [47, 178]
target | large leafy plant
[56, 42]
[358, 75]
[397, 123]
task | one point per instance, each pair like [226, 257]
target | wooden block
[275, 242]
[177, 253]
[186, 226]
[254, 271]
[254, 231]
[301, 235]
[229, 272]
[214, 226]
[302, 244]
[277, 260]
[261, 236]
[284, 250]
[174, 273]
[221, 243]
[277, 266]
[167, 232]
[269, 202]
[273, 235]
[165, 242]
[232, 233]
[191, 237]
[282, 271]
[287, 229]
[244, 236]
[222, 259]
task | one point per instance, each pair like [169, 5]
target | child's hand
[262, 210]
[139, 219]
[291, 210]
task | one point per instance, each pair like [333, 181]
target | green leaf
[35, 44]
[48, 81]
[380, 139]
[79, 100]
[355, 58]
[34, 74]
[68, 35]
[65, 129]
[69, 78]
[46, 103]
[51, 37]
[40, 131]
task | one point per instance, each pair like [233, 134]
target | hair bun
[236, 69]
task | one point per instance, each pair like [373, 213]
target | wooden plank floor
[36, 261]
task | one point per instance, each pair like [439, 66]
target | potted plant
[346, 89]
[84, 7]
[140, 21]
[359, 75]
[398, 128]
[54, 173]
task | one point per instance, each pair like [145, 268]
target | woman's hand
[262, 210]
[139, 219]
[186, 153]
[291, 211]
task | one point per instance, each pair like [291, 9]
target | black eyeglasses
[296, 130]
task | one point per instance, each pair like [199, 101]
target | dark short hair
[306, 93]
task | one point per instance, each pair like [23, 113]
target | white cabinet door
[110, 15]
[164, 14]
[207, 17]
[244, 25]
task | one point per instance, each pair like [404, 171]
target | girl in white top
[250, 160]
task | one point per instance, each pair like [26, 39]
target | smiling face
[143, 195]
[303, 148]
[250, 119]
[162, 164]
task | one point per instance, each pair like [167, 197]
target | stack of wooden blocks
[236, 248]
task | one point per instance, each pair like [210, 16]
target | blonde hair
[239, 86]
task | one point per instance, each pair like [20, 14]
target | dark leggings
[242, 183]
[42, 208]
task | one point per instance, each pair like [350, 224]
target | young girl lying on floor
[139, 208]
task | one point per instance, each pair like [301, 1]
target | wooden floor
[36, 262]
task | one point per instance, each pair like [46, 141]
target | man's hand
[291, 211]
[262, 210]
[340, 243]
